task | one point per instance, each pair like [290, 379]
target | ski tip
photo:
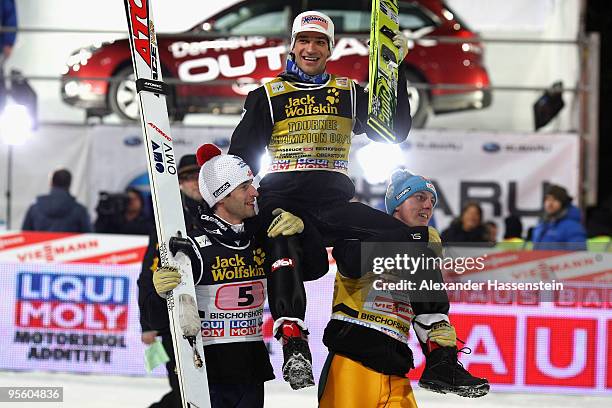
[206, 152]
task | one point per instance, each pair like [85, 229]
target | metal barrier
[587, 89]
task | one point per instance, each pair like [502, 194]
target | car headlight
[472, 47]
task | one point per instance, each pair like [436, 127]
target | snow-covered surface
[95, 391]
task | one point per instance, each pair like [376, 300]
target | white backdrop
[110, 158]
[497, 161]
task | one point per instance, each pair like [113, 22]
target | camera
[112, 203]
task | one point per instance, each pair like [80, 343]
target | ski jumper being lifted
[306, 118]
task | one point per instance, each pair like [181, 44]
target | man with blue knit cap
[418, 210]
[369, 355]
[411, 199]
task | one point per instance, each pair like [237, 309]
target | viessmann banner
[65, 315]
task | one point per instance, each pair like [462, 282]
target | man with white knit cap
[229, 269]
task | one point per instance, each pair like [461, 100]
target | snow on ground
[95, 391]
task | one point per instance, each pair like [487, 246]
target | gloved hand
[165, 279]
[443, 333]
[401, 42]
[435, 242]
[285, 224]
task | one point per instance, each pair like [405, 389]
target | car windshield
[413, 17]
[265, 18]
[457, 18]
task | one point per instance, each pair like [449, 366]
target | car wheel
[123, 98]
[419, 100]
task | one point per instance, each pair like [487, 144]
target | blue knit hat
[404, 184]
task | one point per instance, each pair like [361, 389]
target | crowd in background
[561, 225]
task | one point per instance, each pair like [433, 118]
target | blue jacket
[8, 18]
[563, 233]
[57, 211]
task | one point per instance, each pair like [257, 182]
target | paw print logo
[332, 97]
[259, 256]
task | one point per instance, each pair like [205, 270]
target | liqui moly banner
[70, 302]
[71, 317]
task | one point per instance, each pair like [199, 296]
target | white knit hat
[220, 173]
[313, 21]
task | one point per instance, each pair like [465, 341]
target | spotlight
[16, 124]
[378, 160]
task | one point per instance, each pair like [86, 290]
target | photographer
[122, 214]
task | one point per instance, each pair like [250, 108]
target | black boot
[445, 374]
[297, 368]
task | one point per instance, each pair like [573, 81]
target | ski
[168, 210]
[383, 73]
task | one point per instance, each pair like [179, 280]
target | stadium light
[16, 128]
[378, 160]
[16, 124]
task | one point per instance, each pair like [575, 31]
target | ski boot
[297, 368]
[443, 372]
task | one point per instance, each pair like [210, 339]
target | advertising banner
[504, 172]
[65, 315]
[45, 247]
[71, 317]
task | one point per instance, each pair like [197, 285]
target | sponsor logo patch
[282, 262]
[316, 20]
[342, 82]
[277, 87]
[221, 189]
[403, 193]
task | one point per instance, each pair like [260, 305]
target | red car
[212, 66]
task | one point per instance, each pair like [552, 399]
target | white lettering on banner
[31, 312]
[225, 66]
[73, 288]
[49, 252]
[11, 241]
[222, 65]
[349, 46]
[71, 315]
[181, 49]
[29, 293]
[544, 348]
[482, 334]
